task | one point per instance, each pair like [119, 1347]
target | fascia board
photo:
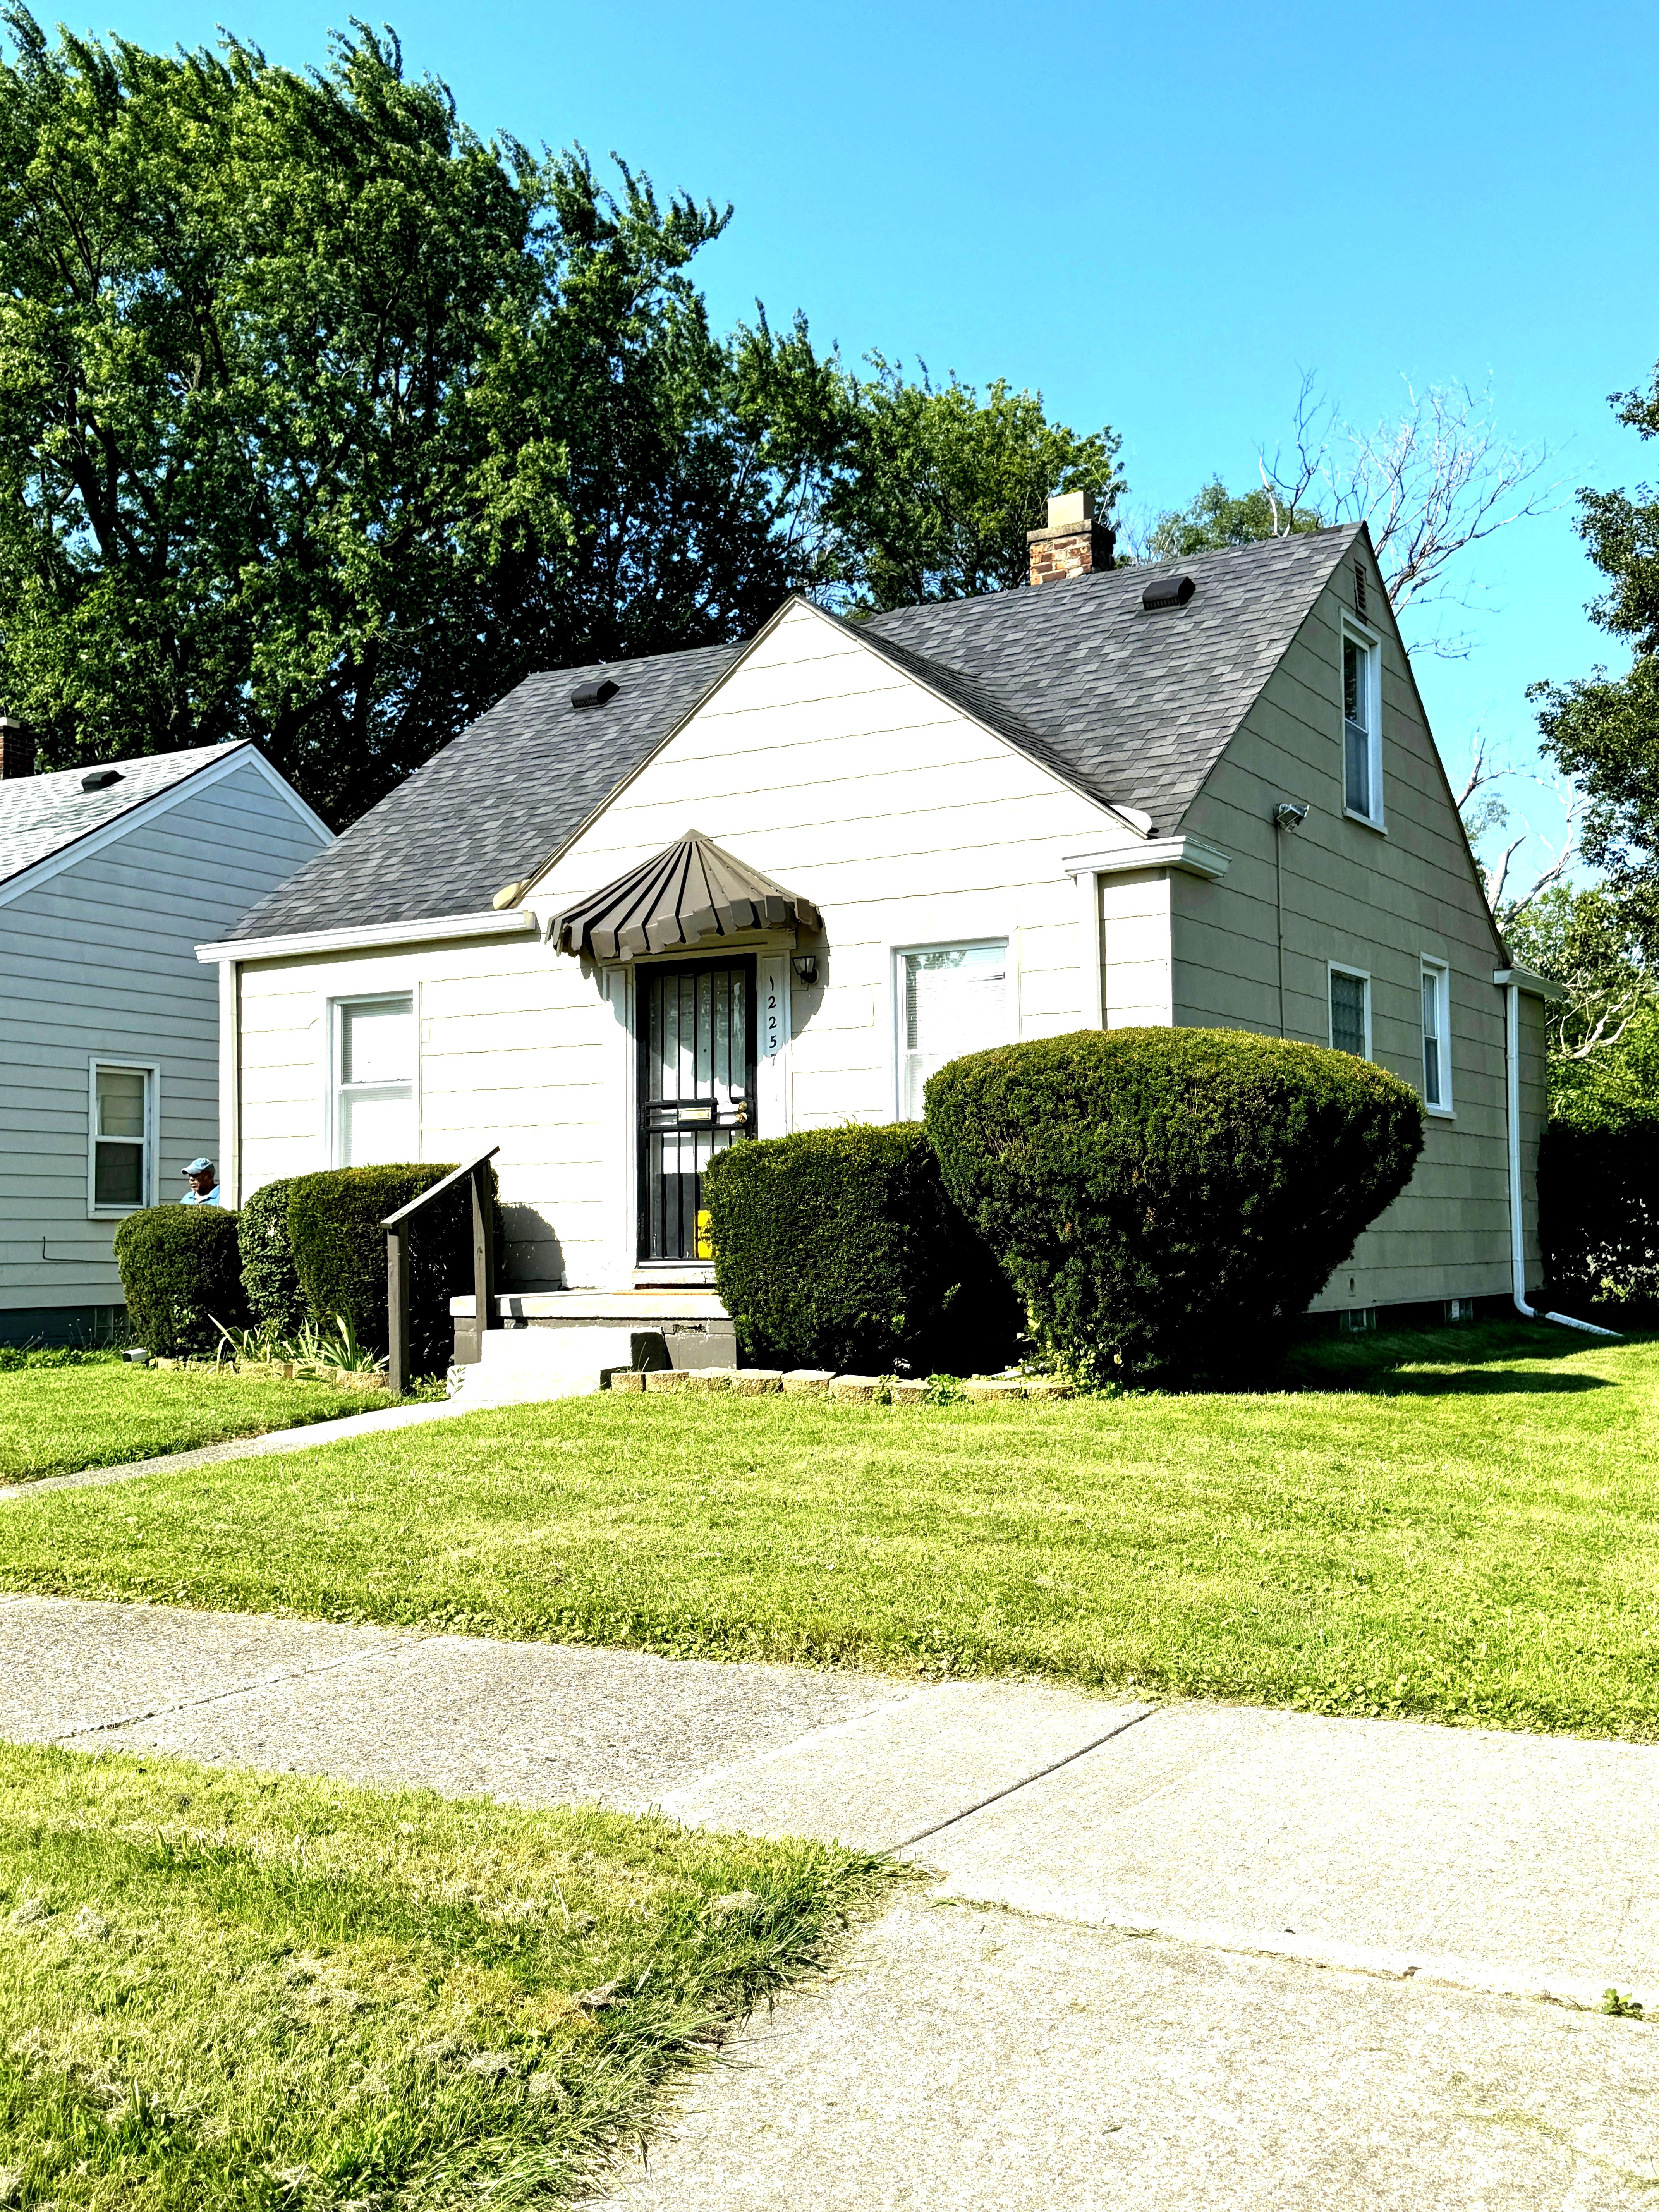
[364, 937]
[1191, 855]
[1535, 986]
[145, 810]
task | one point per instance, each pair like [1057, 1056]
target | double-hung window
[121, 1149]
[1351, 1011]
[1436, 1037]
[954, 999]
[373, 1102]
[1361, 721]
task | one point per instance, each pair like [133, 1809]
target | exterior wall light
[805, 965]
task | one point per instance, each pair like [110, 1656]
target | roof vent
[100, 779]
[1167, 592]
[594, 694]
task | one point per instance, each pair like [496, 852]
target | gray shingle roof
[42, 815]
[496, 803]
[1132, 708]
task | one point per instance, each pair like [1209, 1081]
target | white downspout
[1517, 1229]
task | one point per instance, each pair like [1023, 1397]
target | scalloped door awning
[691, 896]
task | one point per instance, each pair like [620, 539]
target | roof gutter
[1191, 855]
[1512, 981]
[368, 936]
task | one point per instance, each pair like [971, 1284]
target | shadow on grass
[1437, 1362]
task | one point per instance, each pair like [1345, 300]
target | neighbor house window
[1436, 1037]
[374, 1081]
[121, 1164]
[1351, 1011]
[1362, 751]
[954, 999]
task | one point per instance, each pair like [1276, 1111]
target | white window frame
[1357, 633]
[1360, 975]
[119, 1063]
[335, 1060]
[1442, 973]
[983, 940]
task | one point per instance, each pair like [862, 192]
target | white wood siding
[100, 961]
[819, 763]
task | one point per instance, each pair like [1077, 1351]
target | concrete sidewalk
[1185, 1954]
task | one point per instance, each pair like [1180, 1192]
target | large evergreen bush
[269, 1275]
[1166, 1200]
[838, 1247]
[180, 1272]
[334, 1229]
[1598, 1203]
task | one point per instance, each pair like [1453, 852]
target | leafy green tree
[1215, 519]
[937, 487]
[1604, 1035]
[322, 421]
[1604, 730]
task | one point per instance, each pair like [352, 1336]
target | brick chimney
[1073, 542]
[16, 749]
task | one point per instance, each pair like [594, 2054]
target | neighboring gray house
[636, 913]
[109, 1026]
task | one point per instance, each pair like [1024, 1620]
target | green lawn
[238, 1992]
[99, 1412]
[1465, 1525]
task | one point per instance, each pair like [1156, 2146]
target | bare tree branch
[1430, 485]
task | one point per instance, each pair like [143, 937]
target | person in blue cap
[204, 1180]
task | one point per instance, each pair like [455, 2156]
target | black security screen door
[696, 1031]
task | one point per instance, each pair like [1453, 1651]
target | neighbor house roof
[40, 816]
[1132, 709]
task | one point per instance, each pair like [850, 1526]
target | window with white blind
[1361, 723]
[953, 999]
[1351, 1011]
[374, 1120]
[121, 1137]
[1436, 1037]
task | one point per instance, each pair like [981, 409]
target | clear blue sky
[1156, 214]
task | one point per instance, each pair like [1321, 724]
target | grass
[1463, 1526]
[240, 1991]
[99, 1412]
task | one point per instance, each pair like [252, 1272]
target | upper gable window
[1361, 727]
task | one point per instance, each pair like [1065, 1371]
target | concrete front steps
[559, 1344]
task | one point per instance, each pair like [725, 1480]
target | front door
[696, 1042]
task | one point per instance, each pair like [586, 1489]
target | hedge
[1167, 1200]
[335, 1232]
[180, 1272]
[1598, 1205]
[839, 1249]
[269, 1276]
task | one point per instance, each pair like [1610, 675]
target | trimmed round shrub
[338, 1245]
[1166, 1201]
[839, 1249]
[1598, 1204]
[269, 1276]
[181, 1271]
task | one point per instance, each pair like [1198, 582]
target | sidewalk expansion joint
[1024, 1781]
[217, 1697]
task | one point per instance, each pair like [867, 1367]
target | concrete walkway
[304, 1438]
[1192, 1955]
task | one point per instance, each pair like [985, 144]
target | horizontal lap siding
[100, 961]
[1379, 902]
[818, 764]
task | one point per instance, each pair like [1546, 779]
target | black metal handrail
[396, 1226]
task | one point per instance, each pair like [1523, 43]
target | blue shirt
[199, 1198]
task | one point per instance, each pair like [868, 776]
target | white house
[637, 911]
[109, 1026]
